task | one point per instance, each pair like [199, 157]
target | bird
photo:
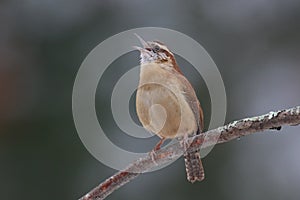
[166, 103]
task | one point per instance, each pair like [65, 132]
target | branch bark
[231, 131]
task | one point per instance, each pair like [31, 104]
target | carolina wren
[166, 102]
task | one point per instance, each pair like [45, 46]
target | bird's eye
[156, 48]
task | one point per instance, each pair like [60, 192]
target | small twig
[234, 130]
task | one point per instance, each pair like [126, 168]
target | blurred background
[255, 45]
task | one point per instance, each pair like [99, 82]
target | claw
[152, 155]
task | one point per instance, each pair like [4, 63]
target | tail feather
[193, 166]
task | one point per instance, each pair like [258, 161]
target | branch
[234, 130]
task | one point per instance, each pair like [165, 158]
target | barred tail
[193, 166]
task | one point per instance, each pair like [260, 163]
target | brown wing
[193, 101]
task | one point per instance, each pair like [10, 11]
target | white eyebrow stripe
[163, 47]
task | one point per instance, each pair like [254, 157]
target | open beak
[143, 42]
